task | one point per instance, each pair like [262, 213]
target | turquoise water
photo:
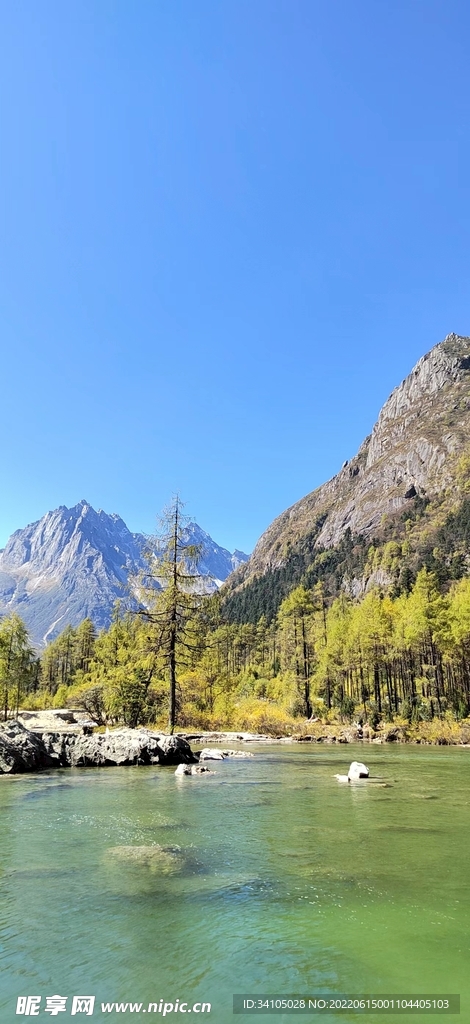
[275, 878]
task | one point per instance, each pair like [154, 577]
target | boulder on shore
[23, 751]
[124, 747]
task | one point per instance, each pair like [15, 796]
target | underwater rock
[157, 859]
[193, 769]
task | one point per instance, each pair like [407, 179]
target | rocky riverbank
[24, 750]
[438, 732]
[62, 739]
[318, 733]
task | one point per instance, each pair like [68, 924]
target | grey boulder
[127, 747]
[22, 751]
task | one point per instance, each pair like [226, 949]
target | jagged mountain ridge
[215, 562]
[422, 430]
[75, 562]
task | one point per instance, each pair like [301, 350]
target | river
[275, 878]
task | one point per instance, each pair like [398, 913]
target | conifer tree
[171, 594]
[16, 662]
[295, 615]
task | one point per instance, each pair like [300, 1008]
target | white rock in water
[237, 753]
[193, 769]
[208, 754]
[357, 770]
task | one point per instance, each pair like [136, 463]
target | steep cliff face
[412, 451]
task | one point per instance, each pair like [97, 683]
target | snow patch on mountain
[76, 562]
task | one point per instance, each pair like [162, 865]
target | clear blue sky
[229, 228]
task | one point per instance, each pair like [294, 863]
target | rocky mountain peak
[446, 363]
[420, 433]
[422, 391]
[75, 562]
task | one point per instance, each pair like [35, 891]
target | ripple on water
[275, 888]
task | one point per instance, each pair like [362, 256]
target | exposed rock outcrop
[421, 431]
[24, 751]
[62, 720]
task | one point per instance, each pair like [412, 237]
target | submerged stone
[156, 859]
[193, 769]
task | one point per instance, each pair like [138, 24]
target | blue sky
[228, 229]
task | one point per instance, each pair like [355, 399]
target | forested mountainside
[403, 502]
[74, 563]
[354, 608]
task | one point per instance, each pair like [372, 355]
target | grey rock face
[75, 563]
[126, 747]
[72, 564]
[24, 751]
[50, 721]
[420, 432]
[215, 562]
[174, 750]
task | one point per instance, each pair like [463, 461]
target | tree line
[178, 661]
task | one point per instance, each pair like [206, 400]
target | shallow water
[272, 878]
